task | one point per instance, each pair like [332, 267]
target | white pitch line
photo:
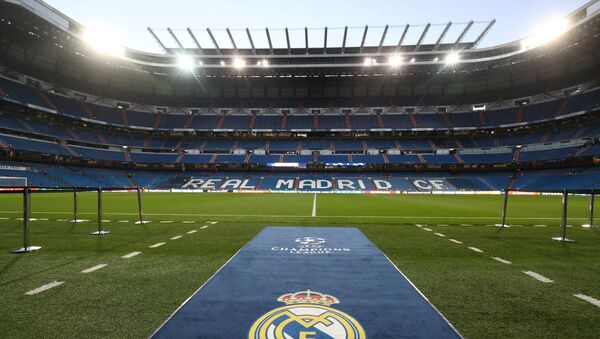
[466, 224]
[455, 241]
[440, 235]
[94, 268]
[131, 255]
[539, 225]
[44, 287]
[314, 210]
[188, 222]
[176, 237]
[419, 225]
[442, 224]
[157, 245]
[587, 298]
[212, 222]
[475, 249]
[538, 277]
[4, 218]
[61, 219]
[427, 229]
[123, 221]
[498, 259]
[203, 227]
[301, 216]
[43, 219]
[106, 220]
[166, 221]
[192, 231]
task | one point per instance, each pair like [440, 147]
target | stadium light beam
[395, 60]
[369, 61]
[452, 58]
[185, 62]
[239, 63]
[103, 42]
[545, 34]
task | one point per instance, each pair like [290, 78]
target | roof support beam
[174, 37]
[344, 39]
[441, 37]
[251, 41]
[463, 33]
[325, 41]
[287, 39]
[382, 38]
[157, 40]
[269, 40]
[232, 41]
[194, 38]
[306, 38]
[422, 37]
[362, 43]
[485, 31]
[214, 41]
[402, 37]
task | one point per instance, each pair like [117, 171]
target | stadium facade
[441, 116]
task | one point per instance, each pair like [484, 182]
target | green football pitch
[445, 245]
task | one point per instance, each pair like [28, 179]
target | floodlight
[436, 59]
[185, 62]
[369, 61]
[452, 58]
[412, 60]
[545, 34]
[222, 62]
[395, 60]
[103, 41]
[239, 63]
[265, 63]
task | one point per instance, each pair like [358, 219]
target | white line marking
[498, 259]
[157, 245]
[426, 229]
[176, 237]
[466, 224]
[442, 224]
[131, 255]
[538, 277]
[455, 241]
[475, 249]
[188, 222]
[203, 227]
[4, 218]
[166, 221]
[192, 231]
[103, 220]
[419, 226]
[61, 219]
[440, 235]
[43, 219]
[587, 298]
[539, 225]
[212, 222]
[123, 221]
[45, 287]
[94, 268]
[314, 210]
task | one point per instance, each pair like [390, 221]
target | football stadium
[383, 181]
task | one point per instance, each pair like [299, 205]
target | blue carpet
[346, 288]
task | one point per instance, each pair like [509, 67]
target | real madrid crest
[307, 315]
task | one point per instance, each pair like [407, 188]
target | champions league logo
[306, 241]
[310, 245]
[307, 315]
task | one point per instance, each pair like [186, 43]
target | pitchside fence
[26, 193]
[15, 185]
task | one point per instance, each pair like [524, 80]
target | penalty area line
[314, 209]
[587, 298]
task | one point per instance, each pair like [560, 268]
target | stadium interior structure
[523, 115]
